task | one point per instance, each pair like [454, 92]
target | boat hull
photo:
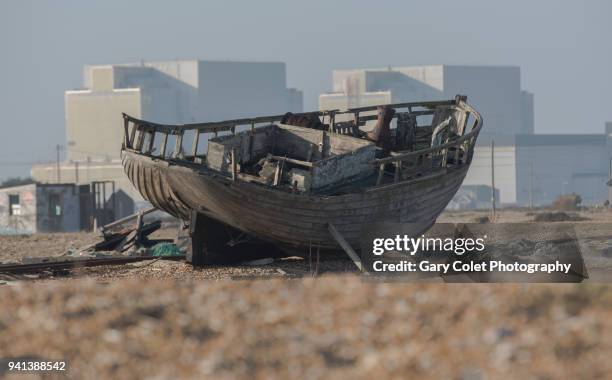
[286, 219]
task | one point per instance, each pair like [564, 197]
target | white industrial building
[496, 90]
[164, 92]
[529, 168]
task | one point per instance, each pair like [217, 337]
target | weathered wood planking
[294, 219]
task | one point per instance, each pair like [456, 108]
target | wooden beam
[398, 169]
[278, 174]
[444, 157]
[140, 141]
[381, 173]
[162, 152]
[196, 140]
[126, 135]
[133, 134]
[292, 161]
[138, 227]
[345, 246]
[197, 251]
[229, 124]
[127, 218]
[234, 165]
[178, 147]
[151, 141]
[251, 136]
[252, 178]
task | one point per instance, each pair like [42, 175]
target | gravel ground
[14, 247]
[330, 327]
[164, 319]
[288, 268]
[594, 233]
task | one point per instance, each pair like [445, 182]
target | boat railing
[455, 152]
[153, 139]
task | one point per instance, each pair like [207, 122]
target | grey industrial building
[529, 168]
[165, 92]
[535, 169]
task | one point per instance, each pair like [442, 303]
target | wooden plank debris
[113, 239]
[127, 219]
[78, 262]
[291, 160]
[126, 238]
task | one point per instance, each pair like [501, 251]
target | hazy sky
[564, 50]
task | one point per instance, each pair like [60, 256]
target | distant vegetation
[567, 202]
[16, 181]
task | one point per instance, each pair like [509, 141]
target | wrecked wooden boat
[306, 180]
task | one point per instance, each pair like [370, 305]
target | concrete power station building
[495, 90]
[529, 168]
[175, 92]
